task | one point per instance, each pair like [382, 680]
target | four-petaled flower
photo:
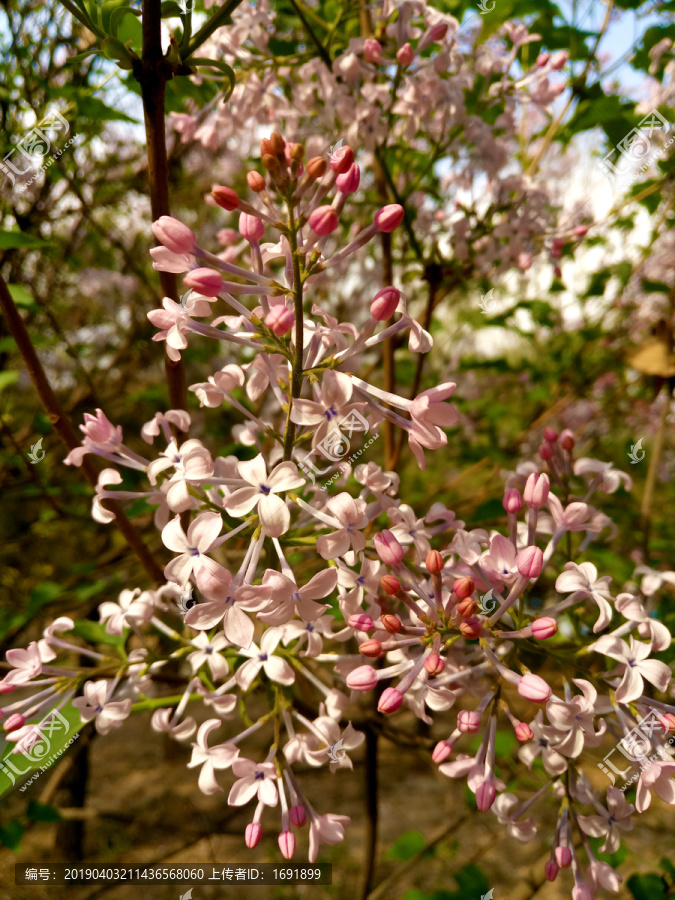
[262, 493]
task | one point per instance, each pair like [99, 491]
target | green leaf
[43, 594]
[7, 378]
[42, 812]
[647, 887]
[95, 633]
[406, 846]
[12, 240]
[130, 32]
[21, 296]
[170, 9]
[11, 835]
[97, 110]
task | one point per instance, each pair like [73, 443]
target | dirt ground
[144, 807]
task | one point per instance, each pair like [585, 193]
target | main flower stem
[297, 370]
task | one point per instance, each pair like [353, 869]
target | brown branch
[152, 73]
[65, 430]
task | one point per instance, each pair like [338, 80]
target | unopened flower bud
[255, 181]
[253, 834]
[361, 622]
[11, 723]
[536, 490]
[434, 664]
[6, 688]
[463, 587]
[467, 607]
[384, 303]
[295, 151]
[580, 230]
[389, 217]
[390, 701]
[342, 159]
[582, 892]
[551, 870]
[349, 181]
[485, 795]
[297, 815]
[442, 751]
[513, 501]
[316, 167]
[550, 435]
[266, 147]
[524, 261]
[205, 281]
[372, 51]
[534, 688]
[388, 548]
[567, 439]
[323, 220]
[524, 732]
[471, 628]
[225, 197]
[530, 562]
[280, 319]
[228, 237]
[270, 162]
[667, 720]
[563, 856]
[390, 585]
[277, 143]
[363, 678]
[468, 721]
[438, 31]
[405, 55]
[287, 844]
[390, 622]
[434, 562]
[545, 451]
[559, 59]
[175, 236]
[371, 648]
[251, 227]
[542, 59]
[544, 628]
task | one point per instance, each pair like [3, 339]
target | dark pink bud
[362, 679]
[534, 688]
[580, 230]
[341, 160]
[391, 623]
[434, 562]
[384, 303]
[256, 181]
[287, 844]
[667, 720]
[468, 721]
[530, 562]
[551, 870]
[471, 628]
[463, 587]
[550, 435]
[349, 182]
[542, 59]
[280, 319]
[567, 439]
[253, 834]
[390, 701]
[405, 55]
[434, 664]
[557, 271]
[389, 217]
[251, 227]
[372, 51]
[297, 815]
[6, 688]
[563, 856]
[361, 622]
[205, 281]
[559, 59]
[16, 720]
[323, 220]
[485, 795]
[175, 236]
[536, 490]
[442, 751]
[390, 585]
[524, 732]
[225, 197]
[467, 607]
[513, 501]
[524, 261]
[388, 548]
[544, 628]
[546, 451]
[371, 648]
